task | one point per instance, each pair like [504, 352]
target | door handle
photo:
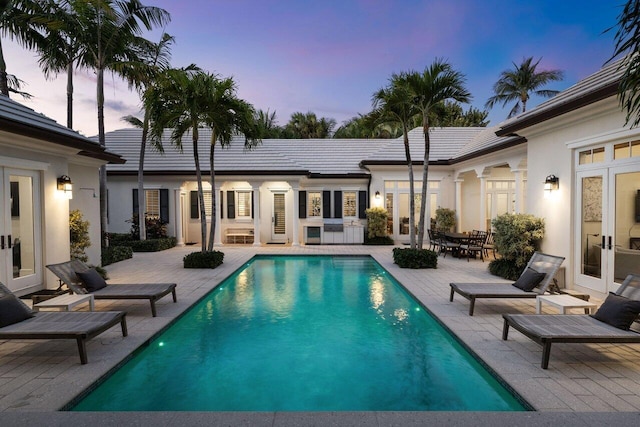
[603, 242]
[9, 241]
[610, 243]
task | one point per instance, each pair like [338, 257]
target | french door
[20, 229]
[607, 227]
[278, 218]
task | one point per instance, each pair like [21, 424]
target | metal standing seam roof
[19, 119]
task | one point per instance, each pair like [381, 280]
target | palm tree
[185, 100]
[155, 59]
[307, 126]
[438, 83]
[109, 45]
[628, 43]
[266, 122]
[518, 83]
[15, 23]
[393, 104]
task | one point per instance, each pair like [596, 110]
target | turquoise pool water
[303, 334]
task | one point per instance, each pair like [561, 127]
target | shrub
[203, 259]
[445, 219]
[115, 253]
[517, 237]
[415, 258]
[376, 222]
[78, 235]
[151, 245]
[155, 228]
[115, 238]
[380, 240]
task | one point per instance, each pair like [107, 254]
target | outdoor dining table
[456, 237]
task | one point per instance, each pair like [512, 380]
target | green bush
[115, 238]
[415, 258]
[380, 240]
[78, 235]
[445, 219]
[151, 245]
[203, 259]
[517, 237]
[376, 222]
[115, 253]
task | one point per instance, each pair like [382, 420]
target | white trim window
[152, 200]
[315, 204]
[243, 204]
[349, 204]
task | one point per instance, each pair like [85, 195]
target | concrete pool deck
[586, 383]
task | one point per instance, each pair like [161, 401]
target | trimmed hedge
[415, 258]
[378, 240]
[151, 245]
[115, 253]
[203, 259]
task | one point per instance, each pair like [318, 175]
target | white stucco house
[315, 191]
[35, 154]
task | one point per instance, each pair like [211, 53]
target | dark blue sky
[330, 56]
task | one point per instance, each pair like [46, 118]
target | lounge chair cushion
[618, 311]
[529, 280]
[91, 279]
[12, 310]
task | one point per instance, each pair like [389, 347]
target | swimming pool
[303, 333]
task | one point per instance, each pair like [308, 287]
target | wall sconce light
[65, 185]
[551, 183]
[377, 195]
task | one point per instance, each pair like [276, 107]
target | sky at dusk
[330, 56]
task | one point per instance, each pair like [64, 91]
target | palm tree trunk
[142, 200]
[4, 85]
[412, 201]
[70, 95]
[425, 177]
[103, 169]
[212, 229]
[203, 217]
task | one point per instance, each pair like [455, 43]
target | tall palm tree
[109, 45]
[438, 83]
[307, 125]
[15, 23]
[517, 84]
[628, 43]
[267, 124]
[393, 104]
[154, 59]
[185, 100]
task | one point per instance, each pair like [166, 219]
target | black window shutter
[221, 205]
[164, 205]
[362, 204]
[193, 201]
[252, 205]
[302, 204]
[136, 208]
[337, 204]
[231, 204]
[326, 204]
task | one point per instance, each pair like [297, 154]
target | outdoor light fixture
[551, 183]
[65, 185]
[377, 195]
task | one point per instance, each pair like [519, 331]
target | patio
[38, 377]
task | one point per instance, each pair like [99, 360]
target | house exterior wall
[87, 184]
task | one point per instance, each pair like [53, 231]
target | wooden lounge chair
[546, 329]
[66, 271]
[541, 263]
[78, 325]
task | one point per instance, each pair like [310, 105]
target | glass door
[591, 230]
[20, 232]
[278, 230]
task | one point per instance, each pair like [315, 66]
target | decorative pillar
[459, 182]
[177, 200]
[483, 202]
[295, 238]
[217, 241]
[256, 213]
[518, 175]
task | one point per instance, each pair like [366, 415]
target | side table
[65, 302]
[564, 302]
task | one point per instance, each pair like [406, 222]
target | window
[152, 200]
[591, 156]
[349, 203]
[207, 202]
[315, 204]
[626, 150]
[244, 204]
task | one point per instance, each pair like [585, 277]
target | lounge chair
[66, 271]
[539, 262]
[78, 325]
[546, 329]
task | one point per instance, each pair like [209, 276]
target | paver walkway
[43, 376]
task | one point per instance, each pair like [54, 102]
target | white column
[519, 190]
[483, 202]
[177, 197]
[217, 241]
[295, 239]
[256, 213]
[459, 182]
